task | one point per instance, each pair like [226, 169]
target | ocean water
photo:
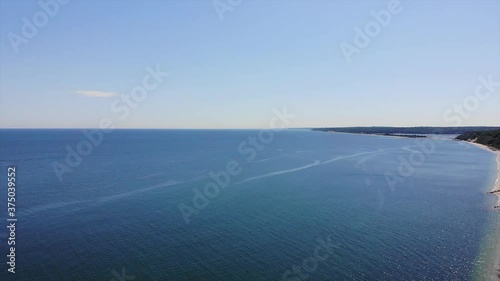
[373, 208]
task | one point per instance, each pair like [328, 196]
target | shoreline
[496, 186]
[492, 269]
[404, 136]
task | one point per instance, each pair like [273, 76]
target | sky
[232, 63]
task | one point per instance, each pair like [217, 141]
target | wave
[363, 160]
[134, 192]
[407, 148]
[152, 175]
[93, 202]
[263, 160]
[314, 164]
[52, 206]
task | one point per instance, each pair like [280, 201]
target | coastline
[490, 257]
[403, 136]
[492, 269]
[496, 186]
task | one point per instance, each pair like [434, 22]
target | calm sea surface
[373, 208]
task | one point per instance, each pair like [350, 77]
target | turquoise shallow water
[118, 211]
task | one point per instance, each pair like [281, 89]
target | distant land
[407, 131]
[487, 138]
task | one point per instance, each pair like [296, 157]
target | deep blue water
[119, 208]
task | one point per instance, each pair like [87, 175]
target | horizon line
[295, 128]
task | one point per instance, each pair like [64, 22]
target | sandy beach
[496, 187]
[493, 268]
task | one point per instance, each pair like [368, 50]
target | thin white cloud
[97, 94]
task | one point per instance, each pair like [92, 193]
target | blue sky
[232, 73]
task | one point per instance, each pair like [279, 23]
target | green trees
[489, 138]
